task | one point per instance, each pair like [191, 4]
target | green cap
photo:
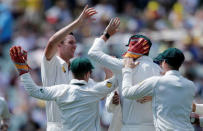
[173, 56]
[81, 65]
[158, 59]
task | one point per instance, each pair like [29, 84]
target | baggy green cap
[172, 56]
[81, 65]
[158, 59]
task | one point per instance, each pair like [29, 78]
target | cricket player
[135, 116]
[172, 94]
[55, 69]
[4, 115]
[77, 102]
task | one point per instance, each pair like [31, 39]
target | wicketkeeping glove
[19, 58]
[138, 46]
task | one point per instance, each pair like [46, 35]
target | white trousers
[54, 126]
[137, 128]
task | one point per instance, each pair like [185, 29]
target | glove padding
[137, 48]
[19, 58]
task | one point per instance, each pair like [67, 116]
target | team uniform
[54, 72]
[78, 103]
[4, 112]
[172, 98]
[135, 116]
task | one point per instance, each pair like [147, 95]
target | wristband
[106, 34]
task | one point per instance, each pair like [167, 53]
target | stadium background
[30, 23]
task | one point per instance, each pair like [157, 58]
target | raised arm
[44, 93]
[96, 53]
[59, 36]
[145, 88]
[19, 57]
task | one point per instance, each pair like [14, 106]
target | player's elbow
[92, 54]
[125, 93]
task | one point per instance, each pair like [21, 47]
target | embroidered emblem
[64, 70]
[41, 90]
[109, 84]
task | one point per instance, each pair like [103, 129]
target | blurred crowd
[30, 23]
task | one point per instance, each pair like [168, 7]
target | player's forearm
[104, 37]
[96, 54]
[32, 89]
[59, 36]
[127, 83]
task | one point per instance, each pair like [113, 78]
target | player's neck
[66, 59]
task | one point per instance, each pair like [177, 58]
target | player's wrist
[22, 68]
[106, 34]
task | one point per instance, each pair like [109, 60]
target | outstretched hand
[112, 28]
[86, 15]
[19, 58]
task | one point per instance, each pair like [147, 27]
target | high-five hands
[112, 28]
[19, 58]
[86, 15]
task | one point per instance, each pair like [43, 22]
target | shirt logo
[63, 69]
[109, 84]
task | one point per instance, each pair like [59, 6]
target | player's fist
[116, 99]
[19, 58]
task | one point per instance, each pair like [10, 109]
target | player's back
[173, 102]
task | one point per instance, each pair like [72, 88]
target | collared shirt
[54, 72]
[172, 98]
[4, 112]
[77, 102]
[133, 113]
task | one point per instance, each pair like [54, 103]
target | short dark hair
[81, 66]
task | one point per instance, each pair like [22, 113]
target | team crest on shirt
[109, 84]
[63, 69]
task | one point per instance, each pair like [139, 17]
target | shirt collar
[61, 61]
[79, 82]
[173, 72]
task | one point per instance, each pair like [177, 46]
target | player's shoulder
[146, 62]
